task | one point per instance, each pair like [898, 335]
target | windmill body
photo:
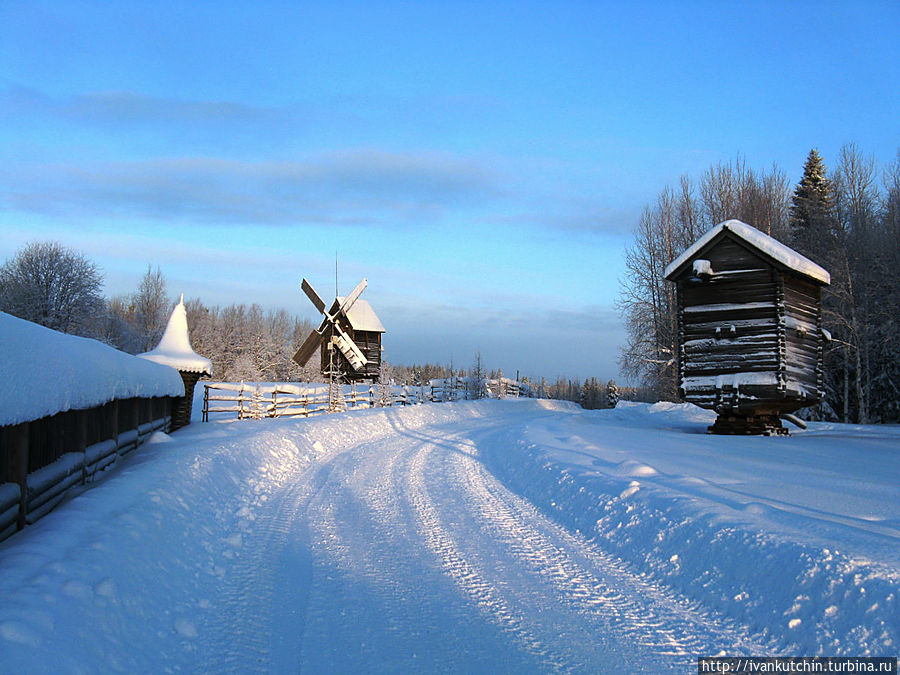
[348, 339]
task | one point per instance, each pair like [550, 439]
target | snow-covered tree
[54, 286]
[477, 383]
[612, 394]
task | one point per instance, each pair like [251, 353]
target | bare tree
[54, 286]
[664, 230]
[150, 308]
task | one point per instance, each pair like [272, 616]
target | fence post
[206, 403]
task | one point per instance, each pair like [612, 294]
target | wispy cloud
[154, 157]
[196, 122]
[352, 187]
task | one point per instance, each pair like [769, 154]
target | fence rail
[261, 400]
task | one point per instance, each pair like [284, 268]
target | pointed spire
[174, 348]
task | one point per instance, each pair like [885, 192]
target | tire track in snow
[551, 571]
[469, 578]
[597, 582]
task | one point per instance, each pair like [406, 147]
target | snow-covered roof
[44, 372]
[361, 316]
[765, 244]
[174, 348]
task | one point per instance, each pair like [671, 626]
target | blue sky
[481, 163]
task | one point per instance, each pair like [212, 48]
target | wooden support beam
[18, 441]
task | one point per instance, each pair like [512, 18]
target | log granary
[750, 336]
[348, 339]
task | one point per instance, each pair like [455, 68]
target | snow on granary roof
[174, 348]
[361, 316]
[759, 240]
[44, 372]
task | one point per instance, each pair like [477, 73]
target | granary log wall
[733, 343]
[802, 331]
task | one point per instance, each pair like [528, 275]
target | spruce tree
[612, 394]
[812, 209]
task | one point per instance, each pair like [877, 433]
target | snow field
[517, 536]
[797, 539]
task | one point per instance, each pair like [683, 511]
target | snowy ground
[515, 536]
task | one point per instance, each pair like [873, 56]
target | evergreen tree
[586, 395]
[612, 393]
[812, 209]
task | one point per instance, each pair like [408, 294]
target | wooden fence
[260, 400]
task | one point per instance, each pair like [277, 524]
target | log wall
[749, 336]
[41, 460]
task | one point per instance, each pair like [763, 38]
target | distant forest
[846, 220]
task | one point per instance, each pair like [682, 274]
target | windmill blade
[308, 348]
[313, 296]
[349, 349]
[354, 296]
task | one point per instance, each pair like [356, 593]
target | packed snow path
[378, 540]
[423, 559]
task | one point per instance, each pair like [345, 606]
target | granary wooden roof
[768, 247]
[361, 316]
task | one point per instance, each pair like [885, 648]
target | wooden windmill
[348, 339]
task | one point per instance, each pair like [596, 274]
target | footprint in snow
[185, 628]
[15, 631]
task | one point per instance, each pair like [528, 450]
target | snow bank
[44, 372]
[796, 538]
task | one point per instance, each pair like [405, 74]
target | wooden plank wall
[803, 336]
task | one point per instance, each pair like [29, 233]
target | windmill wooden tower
[348, 339]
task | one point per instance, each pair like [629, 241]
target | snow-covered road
[378, 540]
[423, 559]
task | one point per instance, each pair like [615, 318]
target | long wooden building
[750, 336]
[71, 407]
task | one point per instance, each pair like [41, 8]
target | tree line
[60, 288]
[57, 287]
[846, 220]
